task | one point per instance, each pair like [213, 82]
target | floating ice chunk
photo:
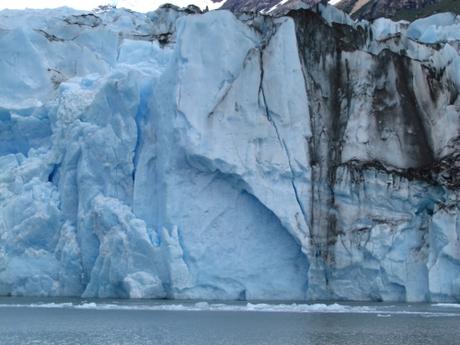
[446, 305]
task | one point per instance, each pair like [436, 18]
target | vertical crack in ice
[280, 140]
[119, 43]
[312, 150]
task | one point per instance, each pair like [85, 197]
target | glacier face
[186, 155]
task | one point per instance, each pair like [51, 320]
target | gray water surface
[24, 322]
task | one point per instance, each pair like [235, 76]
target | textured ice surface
[439, 27]
[185, 155]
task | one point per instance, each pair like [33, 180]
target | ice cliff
[179, 154]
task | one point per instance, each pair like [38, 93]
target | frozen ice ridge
[180, 154]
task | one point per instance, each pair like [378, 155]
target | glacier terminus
[183, 154]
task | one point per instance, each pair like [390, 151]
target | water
[108, 322]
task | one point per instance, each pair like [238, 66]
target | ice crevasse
[180, 154]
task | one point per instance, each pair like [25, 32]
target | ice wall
[187, 155]
[385, 121]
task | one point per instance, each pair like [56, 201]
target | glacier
[205, 155]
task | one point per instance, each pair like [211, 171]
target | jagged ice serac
[180, 154]
[135, 5]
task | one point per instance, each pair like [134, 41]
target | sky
[136, 5]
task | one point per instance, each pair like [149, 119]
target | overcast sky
[136, 5]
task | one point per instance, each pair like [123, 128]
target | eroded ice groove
[178, 154]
